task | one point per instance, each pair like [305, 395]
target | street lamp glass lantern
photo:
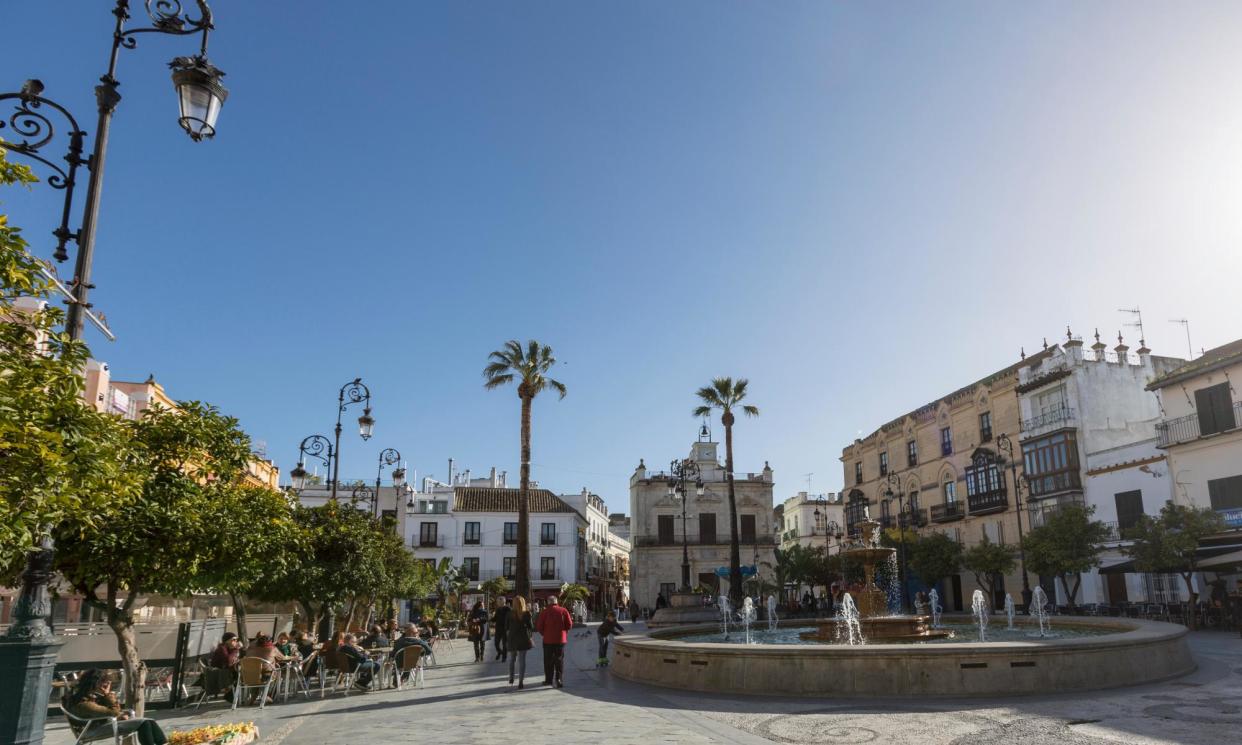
[698, 486]
[199, 94]
[398, 477]
[298, 474]
[366, 423]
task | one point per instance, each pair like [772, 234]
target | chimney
[491, 478]
[1144, 353]
[450, 478]
[1121, 349]
[504, 479]
[1098, 347]
[1073, 346]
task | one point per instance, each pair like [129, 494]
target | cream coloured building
[657, 530]
[942, 461]
[812, 520]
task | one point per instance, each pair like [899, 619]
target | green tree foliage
[726, 395]
[571, 593]
[530, 368]
[161, 540]
[1068, 543]
[61, 458]
[494, 588]
[988, 561]
[1170, 543]
[934, 557]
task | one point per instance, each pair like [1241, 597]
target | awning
[1230, 562]
[1208, 557]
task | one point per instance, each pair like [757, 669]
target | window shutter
[1129, 508]
[1213, 407]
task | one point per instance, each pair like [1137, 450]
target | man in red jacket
[554, 624]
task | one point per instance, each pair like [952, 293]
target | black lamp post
[316, 446]
[1003, 443]
[352, 392]
[679, 473]
[389, 457]
[895, 481]
[28, 652]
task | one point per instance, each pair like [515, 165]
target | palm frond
[557, 386]
[750, 410]
[495, 381]
[514, 347]
[702, 411]
[496, 368]
[739, 389]
[709, 397]
[532, 353]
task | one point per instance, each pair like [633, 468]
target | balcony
[1063, 417]
[719, 540]
[1046, 485]
[1186, 429]
[429, 542]
[947, 512]
[987, 502]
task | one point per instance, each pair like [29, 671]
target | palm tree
[726, 395]
[530, 368]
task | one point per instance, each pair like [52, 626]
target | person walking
[501, 619]
[477, 625]
[554, 624]
[606, 629]
[519, 630]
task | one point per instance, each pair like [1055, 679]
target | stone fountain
[877, 624]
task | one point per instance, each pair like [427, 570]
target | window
[883, 464]
[427, 507]
[985, 427]
[1225, 494]
[912, 453]
[707, 527]
[547, 534]
[511, 534]
[547, 567]
[1129, 508]
[427, 536]
[855, 510]
[509, 567]
[1215, 409]
[983, 478]
[472, 534]
[1051, 464]
[946, 441]
[470, 565]
[665, 523]
[950, 491]
[858, 472]
[748, 528]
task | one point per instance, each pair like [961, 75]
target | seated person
[358, 660]
[285, 645]
[265, 649]
[227, 652]
[375, 639]
[304, 643]
[91, 698]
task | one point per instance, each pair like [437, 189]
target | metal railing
[992, 501]
[947, 512]
[1042, 486]
[719, 540]
[1186, 428]
[1050, 419]
[434, 542]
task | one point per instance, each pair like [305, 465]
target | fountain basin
[1132, 653]
[880, 629]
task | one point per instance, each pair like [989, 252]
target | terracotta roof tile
[1225, 354]
[487, 499]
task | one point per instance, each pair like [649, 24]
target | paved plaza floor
[467, 702]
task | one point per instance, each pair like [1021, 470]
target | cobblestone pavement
[467, 702]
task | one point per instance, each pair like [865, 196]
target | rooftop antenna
[808, 481]
[1190, 351]
[1138, 324]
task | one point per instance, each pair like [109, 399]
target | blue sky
[858, 206]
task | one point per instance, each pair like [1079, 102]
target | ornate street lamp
[679, 473]
[28, 653]
[895, 481]
[315, 446]
[388, 457]
[352, 392]
[362, 493]
[1003, 443]
[200, 95]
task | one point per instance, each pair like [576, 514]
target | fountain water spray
[979, 609]
[933, 599]
[771, 613]
[849, 627]
[1039, 609]
[748, 616]
[1009, 609]
[725, 610]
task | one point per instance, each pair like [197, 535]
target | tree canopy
[988, 561]
[1170, 543]
[1068, 543]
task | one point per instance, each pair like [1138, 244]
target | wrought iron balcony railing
[947, 512]
[985, 502]
[1055, 418]
[1186, 428]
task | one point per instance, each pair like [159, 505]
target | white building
[1089, 437]
[476, 527]
[657, 536]
[595, 561]
[813, 521]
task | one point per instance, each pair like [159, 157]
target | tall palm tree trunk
[735, 551]
[521, 584]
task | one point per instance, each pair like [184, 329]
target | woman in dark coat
[520, 629]
[477, 625]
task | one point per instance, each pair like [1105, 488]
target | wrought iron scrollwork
[32, 128]
[317, 446]
[389, 456]
[354, 392]
[362, 493]
[167, 17]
